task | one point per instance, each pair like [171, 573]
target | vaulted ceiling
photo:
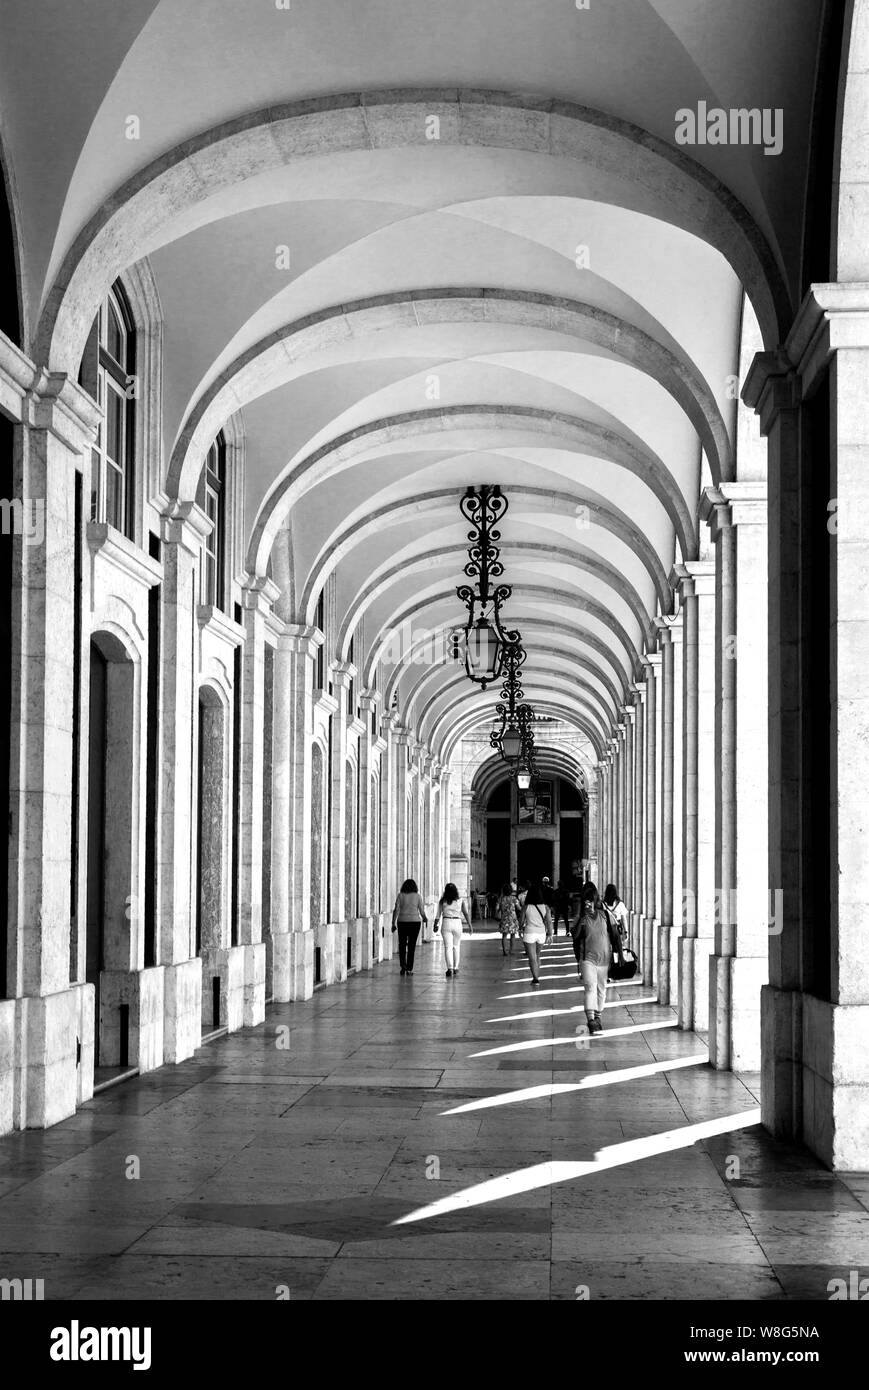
[550, 294]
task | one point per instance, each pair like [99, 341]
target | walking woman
[408, 916]
[508, 911]
[595, 941]
[537, 928]
[617, 910]
[453, 912]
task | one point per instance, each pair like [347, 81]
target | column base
[675, 932]
[663, 958]
[369, 953]
[694, 956]
[52, 1056]
[735, 984]
[358, 930]
[223, 1008]
[182, 1005]
[293, 961]
[7, 1065]
[254, 1006]
[649, 957]
[835, 1083]
[141, 992]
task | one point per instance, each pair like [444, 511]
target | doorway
[108, 944]
[534, 860]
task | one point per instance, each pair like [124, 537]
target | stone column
[626, 884]
[815, 1009]
[341, 676]
[638, 882]
[258, 596]
[444, 808]
[670, 927]
[737, 516]
[290, 957]
[697, 587]
[368, 702]
[184, 528]
[621, 823]
[650, 920]
[49, 1015]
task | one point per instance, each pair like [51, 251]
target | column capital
[391, 721]
[300, 637]
[831, 317]
[653, 662]
[369, 699]
[693, 578]
[342, 674]
[403, 736]
[185, 524]
[734, 504]
[771, 386]
[259, 593]
[639, 686]
[50, 401]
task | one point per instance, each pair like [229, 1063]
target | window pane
[95, 485]
[115, 337]
[115, 426]
[210, 580]
[114, 497]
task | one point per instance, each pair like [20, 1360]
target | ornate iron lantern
[482, 641]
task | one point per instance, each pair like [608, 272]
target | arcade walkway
[262, 1165]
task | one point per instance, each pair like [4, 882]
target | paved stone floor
[534, 1162]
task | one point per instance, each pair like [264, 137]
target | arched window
[108, 372]
[213, 503]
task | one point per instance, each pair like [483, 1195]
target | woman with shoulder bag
[596, 941]
[452, 910]
[536, 924]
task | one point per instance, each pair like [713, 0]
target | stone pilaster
[697, 591]
[290, 959]
[815, 1010]
[650, 919]
[258, 596]
[341, 820]
[51, 1013]
[736, 513]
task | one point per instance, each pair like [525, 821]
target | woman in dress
[536, 927]
[452, 912]
[508, 911]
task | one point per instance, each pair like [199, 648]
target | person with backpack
[536, 924]
[596, 941]
[617, 910]
[452, 912]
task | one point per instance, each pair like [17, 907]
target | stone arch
[553, 425]
[138, 217]
[268, 363]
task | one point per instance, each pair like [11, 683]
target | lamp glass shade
[511, 743]
[483, 648]
[524, 781]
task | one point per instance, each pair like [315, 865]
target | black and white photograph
[434, 703]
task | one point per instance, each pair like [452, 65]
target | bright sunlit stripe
[577, 1009]
[555, 1171]
[531, 1043]
[596, 1079]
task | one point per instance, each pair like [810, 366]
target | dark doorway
[571, 831]
[497, 854]
[534, 860]
[97, 741]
